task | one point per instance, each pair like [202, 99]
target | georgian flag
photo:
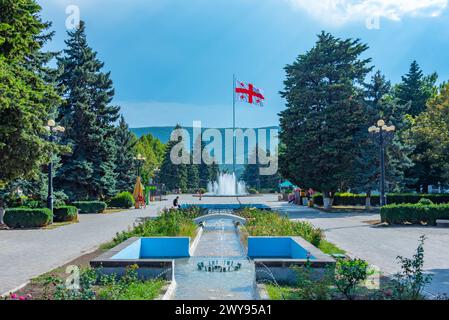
[248, 93]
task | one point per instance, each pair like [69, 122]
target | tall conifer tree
[89, 118]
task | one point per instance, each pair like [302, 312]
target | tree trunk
[327, 200]
[368, 201]
[2, 212]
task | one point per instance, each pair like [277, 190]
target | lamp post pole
[383, 132]
[50, 177]
[53, 129]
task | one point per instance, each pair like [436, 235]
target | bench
[443, 223]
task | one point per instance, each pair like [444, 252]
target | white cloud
[342, 11]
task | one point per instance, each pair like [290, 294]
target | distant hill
[163, 134]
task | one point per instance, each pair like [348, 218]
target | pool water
[219, 243]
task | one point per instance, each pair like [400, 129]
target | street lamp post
[53, 129]
[383, 133]
[140, 160]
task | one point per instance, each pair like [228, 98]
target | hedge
[65, 214]
[123, 200]
[90, 206]
[414, 213]
[349, 199]
[27, 218]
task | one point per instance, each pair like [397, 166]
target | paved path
[25, 254]
[381, 245]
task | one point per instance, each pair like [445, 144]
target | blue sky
[172, 60]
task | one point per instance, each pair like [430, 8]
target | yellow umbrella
[138, 193]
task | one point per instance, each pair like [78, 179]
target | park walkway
[25, 254]
[380, 245]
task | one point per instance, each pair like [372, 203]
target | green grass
[330, 248]
[148, 290]
[282, 293]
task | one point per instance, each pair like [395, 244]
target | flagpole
[233, 132]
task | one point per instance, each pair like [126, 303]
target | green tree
[26, 98]
[324, 112]
[89, 118]
[174, 176]
[413, 92]
[415, 89]
[125, 165]
[153, 150]
[379, 105]
[430, 128]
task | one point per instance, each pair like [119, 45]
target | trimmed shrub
[414, 213]
[350, 199]
[27, 218]
[252, 191]
[65, 214]
[124, 200]
[90, 206]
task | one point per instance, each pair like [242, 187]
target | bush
[90, 206]
[350, 199]
[349, 274]
[27, 218]
[425, 202]
[252, 191]
[65, 214]
[124, 200]
[414, 213]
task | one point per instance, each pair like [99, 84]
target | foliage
[312, 285]
[171, 223]
[349, 274]
[154, 151]
[252, 176]
[88, 278]
[414, 213]
[128, 287]
[324, 112]
[125, 166]
[123, 200]
[429, 131]
[96, 286]
[351, 199]
[411, 281]
[425, 202]
[27, 218]
[174, 176]
[65, 214]
[89, 118]
[90, 206]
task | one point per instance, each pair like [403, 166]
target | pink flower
[13, 296]
[22, 298]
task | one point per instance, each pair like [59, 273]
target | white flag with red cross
[247, 92]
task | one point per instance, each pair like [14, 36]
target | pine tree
[324, 112]
[125, 164]
[27, 98]
[415, 89]
[214, 171]
[89, 172]
[413, 93]
[172, 175]
[379, 105]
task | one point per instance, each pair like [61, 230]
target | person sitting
[176, 203]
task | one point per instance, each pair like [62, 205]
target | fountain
[226, 186]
